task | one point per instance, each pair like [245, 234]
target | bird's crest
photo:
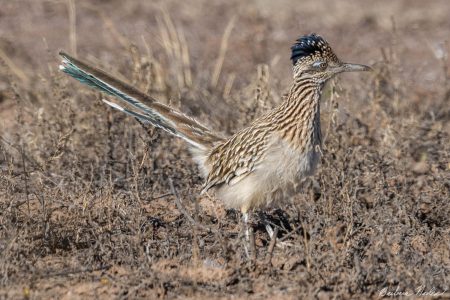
[311, 46]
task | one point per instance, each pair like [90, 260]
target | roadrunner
[250, 167]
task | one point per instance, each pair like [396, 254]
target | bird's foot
[273, 235]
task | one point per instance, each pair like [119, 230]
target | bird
[246, 169]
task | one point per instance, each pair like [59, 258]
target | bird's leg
[245, 220]
[249, 240]
[247, 234]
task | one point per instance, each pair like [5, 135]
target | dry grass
[87, 204]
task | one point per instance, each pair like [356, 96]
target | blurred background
[86, 208]
[32, 32]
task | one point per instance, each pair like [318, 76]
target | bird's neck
[304, 90]
[299, 114]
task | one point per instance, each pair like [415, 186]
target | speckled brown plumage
[276, 150]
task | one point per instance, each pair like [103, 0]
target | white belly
[273, 179]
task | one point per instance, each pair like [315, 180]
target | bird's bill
[346, 67]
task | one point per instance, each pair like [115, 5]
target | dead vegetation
[93, 205]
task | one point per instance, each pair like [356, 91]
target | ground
[87, 202]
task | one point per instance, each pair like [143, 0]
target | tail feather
[155, 113]
[140, 117]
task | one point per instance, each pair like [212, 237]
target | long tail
[152, 112]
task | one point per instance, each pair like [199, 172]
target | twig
[76, 271]
[35, 164]
[290, 233]
[73, 24]
[172, 45]
[185, 59]
[222, 52]
[162, 196]
[12, 66]
[26, 179]
[228, 85]
[183, 210]
[308, 252]
[252, 245]
[109, 24]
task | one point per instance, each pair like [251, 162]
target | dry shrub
[87, 199]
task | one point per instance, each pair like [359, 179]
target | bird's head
[312, 56]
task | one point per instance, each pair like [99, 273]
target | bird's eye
[320, 65]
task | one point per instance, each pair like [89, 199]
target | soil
[87, 208]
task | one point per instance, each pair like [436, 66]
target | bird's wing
[235, 159]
